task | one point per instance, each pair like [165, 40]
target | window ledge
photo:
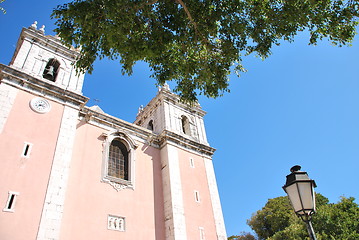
[8, 210]
[117, 183]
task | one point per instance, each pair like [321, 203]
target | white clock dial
[40, 105]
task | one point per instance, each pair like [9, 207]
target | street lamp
[299, 188]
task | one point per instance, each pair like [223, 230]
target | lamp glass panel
[293, 194]
[307, 194]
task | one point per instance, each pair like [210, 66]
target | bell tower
[191, 201]
[167, 113]
[45, 58]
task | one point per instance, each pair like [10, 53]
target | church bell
[49, 73]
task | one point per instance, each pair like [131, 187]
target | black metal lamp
[300, 190]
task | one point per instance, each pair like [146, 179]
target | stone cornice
[167, 136]
[26, 82]
[90, 115]
[107, 120]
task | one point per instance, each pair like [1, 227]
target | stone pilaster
[7, 99]
[216, 204]
[175, 224]
[52, 212]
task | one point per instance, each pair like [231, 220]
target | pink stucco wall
[198, 214]
[89, 201]
[28, 176]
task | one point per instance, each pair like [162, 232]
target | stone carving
[42, 29]
[166, 86]
[34, 25]
[116, 223]
[140, 109]
[115, 185]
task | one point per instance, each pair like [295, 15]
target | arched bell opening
[51, 70]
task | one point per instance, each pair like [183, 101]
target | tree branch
[145, 4]
[150, 3]
[205, 40]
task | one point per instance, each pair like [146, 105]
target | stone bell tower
[167, 113]
[191, 202]
[40, 97]
[44, 57]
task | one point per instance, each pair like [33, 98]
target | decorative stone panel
[116, 223]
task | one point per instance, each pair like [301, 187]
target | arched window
[185, 125]
[150, 125]
[118, 160]
[51, 70]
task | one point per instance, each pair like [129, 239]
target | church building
[69, 171]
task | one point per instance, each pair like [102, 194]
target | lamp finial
[295, 168]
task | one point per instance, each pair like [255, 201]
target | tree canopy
[243, 236]
[197, 43]
[277, 221]
[1, 8]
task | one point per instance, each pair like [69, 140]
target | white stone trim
[175, 223]
[55, 196]
[30, 84]
[7, 99]
[216, 204]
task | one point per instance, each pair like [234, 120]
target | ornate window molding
[119, 160]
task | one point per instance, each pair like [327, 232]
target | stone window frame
[197, 197]
[26, 151]
[11, 201]
[191, 162]
[119, 183]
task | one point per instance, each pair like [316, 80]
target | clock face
[40, 105]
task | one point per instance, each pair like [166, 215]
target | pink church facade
[69, 171]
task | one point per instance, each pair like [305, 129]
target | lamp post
[299, 188]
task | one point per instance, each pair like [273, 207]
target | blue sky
[299, 106]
